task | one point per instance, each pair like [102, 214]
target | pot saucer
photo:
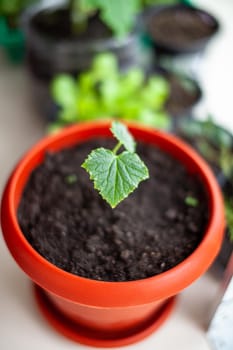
[85, 336]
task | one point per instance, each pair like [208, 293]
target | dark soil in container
[181, 27]
[70, 225]
[183, 95]
[56, 24]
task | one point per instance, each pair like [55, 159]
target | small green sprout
[116, 175]
[71, 179]
[191, 201]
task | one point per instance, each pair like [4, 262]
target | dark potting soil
[183, 95]
[56, 24]
[181, 27]
[70, 225]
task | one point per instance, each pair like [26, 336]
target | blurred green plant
[213, 142]
[229, 215]
[11, 9]
[160, 2]
[119, 16]
[105, 92]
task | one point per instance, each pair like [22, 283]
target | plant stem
[117, 147]
[78, 16]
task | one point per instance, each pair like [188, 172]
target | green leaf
[131, 81]
[71, 179]
[64, 90]
[104, 66]
[119, 15]
[115, 176]
[155, 92]
[80, 11]
[13, 7]
[191, 201]
[122, 134]
[109, 90]
[228, 204]
[104, 91]
[159, 120]
[88, 107]
[226, 161]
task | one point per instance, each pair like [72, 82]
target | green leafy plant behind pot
[118, 15]
[228, 203]
[104, 92]
[213, 142]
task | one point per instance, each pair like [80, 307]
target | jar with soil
[108, 277]
[212, 142]
[215, 144]
[184, 95]
[180, 34]
[55, 46]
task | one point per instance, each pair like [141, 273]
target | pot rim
[100, 293]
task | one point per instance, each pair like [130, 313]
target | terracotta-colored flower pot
[108, 313]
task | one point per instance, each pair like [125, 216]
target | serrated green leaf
[115, 176]
[122, 134]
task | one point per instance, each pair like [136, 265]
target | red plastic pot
[109, 313]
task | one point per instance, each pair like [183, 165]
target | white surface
[21, 325]
[220, 331]
[217, 68]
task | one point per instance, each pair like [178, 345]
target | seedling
[191, 201]
[104, 91]
[116, 175]
[71, 179]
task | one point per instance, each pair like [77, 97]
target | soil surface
[180, 27]
[56, 24]
[69, 224]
